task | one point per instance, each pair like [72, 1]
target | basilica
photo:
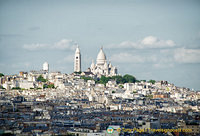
[102, 67]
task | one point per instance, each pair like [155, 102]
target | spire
[77, 49]
[92, 65]
[110, 65]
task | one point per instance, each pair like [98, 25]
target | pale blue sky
[151, 39]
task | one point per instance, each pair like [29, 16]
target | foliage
[1, 74]
[51, 86]
[143, 80]
[41, 79]
[129, 79]
[70, 134]
[16, 88]
[119, 79]
[48, 86]
[86, 78]
[134, 91]
[1, 87]
[152, 81]
[138, 81]
[121, 86]
[77, 73]
[103, 80]
[113, 91]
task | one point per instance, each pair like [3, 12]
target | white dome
[101, 57]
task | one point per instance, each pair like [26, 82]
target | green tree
[51, 86]
[1, 74]
[143, 80]
[48, 86]
[104, 80]
[119, 79]
[129, 79]
[121, 86]
[1, 87]
[41, 79]
[152, 81]
[86, 78]
[78, 73]
[16, 88]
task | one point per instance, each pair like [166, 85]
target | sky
[150, 39]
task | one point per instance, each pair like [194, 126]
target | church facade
[102, 67]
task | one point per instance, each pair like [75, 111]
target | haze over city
[152, 39]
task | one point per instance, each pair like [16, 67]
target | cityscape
[95, 102]
[99, 68]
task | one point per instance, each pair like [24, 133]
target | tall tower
[77, 60]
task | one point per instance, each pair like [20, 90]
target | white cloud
[183, 55]
[154, 42]
[130, 58]
[147, 42]
[36, 46]
[63, 44]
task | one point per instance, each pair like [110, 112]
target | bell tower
[77, 60]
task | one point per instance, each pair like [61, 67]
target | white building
[26, 84]
[45, 67]
[102, 67]
[77, 60]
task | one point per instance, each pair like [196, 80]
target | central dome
[101, 57]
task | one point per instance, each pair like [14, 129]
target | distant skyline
[150, 39]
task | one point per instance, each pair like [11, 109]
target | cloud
[183, 55]
[154, 42]
[36, 46]
[63, 44]
[130, 58]
[147, 42]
